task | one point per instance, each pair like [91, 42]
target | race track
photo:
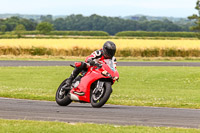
[112, 114]
[67, 63]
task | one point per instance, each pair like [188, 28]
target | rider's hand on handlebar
[98, 65]
[92, 63]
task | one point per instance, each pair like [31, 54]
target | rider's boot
[75, 73]
[69, 80]
[72, 77]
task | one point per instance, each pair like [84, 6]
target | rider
[107, 52]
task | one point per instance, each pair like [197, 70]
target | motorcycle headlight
[105, 73]
[115, 78]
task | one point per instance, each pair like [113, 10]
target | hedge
[156, 34]
[70, 33]
[130, 34]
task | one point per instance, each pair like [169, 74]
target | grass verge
[20, 126]
[82, 58]
[140, 86]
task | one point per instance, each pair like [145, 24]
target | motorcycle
[93, 86]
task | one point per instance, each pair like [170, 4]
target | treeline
[111, 25]
[69, 33]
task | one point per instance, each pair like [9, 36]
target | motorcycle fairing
[85, 85]
[90, 77]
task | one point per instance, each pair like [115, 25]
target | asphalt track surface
[108, 114]
[112, 114]
[67, 63]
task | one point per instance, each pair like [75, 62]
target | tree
[3, 28]
[19, 29]
[60, 24]
[196, 18]
[143, 18]
[44, 27]
[47, 18]
[12, 22]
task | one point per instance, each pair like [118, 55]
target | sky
[167, 8]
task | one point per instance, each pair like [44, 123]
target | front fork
[98, 91]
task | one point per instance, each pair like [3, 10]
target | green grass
[25, 126]
[141, 86]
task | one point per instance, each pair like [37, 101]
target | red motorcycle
[93, 86]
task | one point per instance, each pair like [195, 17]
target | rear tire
[104, 98]
[62, 97]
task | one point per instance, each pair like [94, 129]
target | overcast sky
[169, 8]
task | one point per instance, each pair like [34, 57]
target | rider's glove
[92, 63]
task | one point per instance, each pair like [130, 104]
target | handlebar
[96, 64]
[88, 65]
[72, 65]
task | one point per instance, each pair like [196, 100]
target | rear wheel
[62, 97]
[100, 97]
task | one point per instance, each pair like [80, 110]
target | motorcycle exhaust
[73, 97]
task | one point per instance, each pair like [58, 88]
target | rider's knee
[81, 65]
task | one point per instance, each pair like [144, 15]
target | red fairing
[85, 85]
[116, 75]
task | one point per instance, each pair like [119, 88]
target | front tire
[104, 98]
[62, 97]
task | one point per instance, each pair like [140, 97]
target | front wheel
[100, 97]
[62, 97]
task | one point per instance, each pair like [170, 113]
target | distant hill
[133, 17]
[28, 16]
[138, 16]
[4, 16]
[176, 20]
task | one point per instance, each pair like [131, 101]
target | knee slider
[80, 65]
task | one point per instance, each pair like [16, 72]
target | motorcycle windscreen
[111, 64]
